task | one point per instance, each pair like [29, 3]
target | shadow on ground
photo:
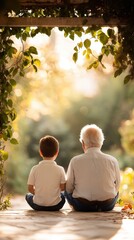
[20, 222]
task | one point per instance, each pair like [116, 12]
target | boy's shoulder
[34, 167]
[59, 166]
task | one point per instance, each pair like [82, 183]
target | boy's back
[47, 180]
[47, 177]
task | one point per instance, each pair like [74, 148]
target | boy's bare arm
[62, 186]
[31, 189]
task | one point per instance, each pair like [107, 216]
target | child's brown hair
[49, 146]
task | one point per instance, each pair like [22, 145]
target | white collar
[47, 161]
[97, 149]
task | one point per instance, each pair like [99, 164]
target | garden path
[20, 223]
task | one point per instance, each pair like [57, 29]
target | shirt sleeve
[118, 177]
[70, 178]
[31, 177]
[63, 176]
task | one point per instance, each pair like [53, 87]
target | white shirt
[93, 176]
[47, 177]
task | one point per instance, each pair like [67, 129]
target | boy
[47, 179]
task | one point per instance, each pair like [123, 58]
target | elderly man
[93, 178]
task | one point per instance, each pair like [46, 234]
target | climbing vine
[13, 64]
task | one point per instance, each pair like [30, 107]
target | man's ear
[83, 144]
[84, 147]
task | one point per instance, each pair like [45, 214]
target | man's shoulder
[109, 156]
[78, 157]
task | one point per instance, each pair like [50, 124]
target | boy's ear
[57, 153]
[40, 153]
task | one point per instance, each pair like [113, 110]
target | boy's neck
[49, 158]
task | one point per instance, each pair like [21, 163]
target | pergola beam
[58, 22]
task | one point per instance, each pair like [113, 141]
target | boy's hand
[62, 186]
[31, 189]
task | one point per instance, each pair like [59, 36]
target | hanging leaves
[7, 83]
[75, 56]
[87, 43]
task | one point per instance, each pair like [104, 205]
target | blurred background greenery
[59, 100]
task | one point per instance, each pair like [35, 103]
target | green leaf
[13, 141]
[80, 44]
[89, 51]
[37, 62]
[18, 35]
[11, 51]
[4, 154]
[100, 57]
[127, 79]
[110, 32]
[103, 38]
[9, 88]
[24, 36]
[47, 31]
[9, 41]
[15, 71]
[26, 53]
[78, 33]
[13, 115]
[10, 103]
[90, 66]
[95, 64]
[9, 133]
[5, 117]
[27, 30]
[84, 52]
[88, 30]
[33, 50]
[87, 56]
[118, 72]
[21, 73]
[13, 82]
[120, 201]
[26, 62]
[5, 136]
[65, 34]
[71, 35]
[33, 32]
[87, 43]
[76, 49]
[105, 50]
[75, 57]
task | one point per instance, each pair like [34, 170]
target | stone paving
[20, 223]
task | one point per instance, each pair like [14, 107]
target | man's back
[93, 175]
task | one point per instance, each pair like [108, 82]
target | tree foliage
[127, 134]
[119, 44]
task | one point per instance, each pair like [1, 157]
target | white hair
[92, 135]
